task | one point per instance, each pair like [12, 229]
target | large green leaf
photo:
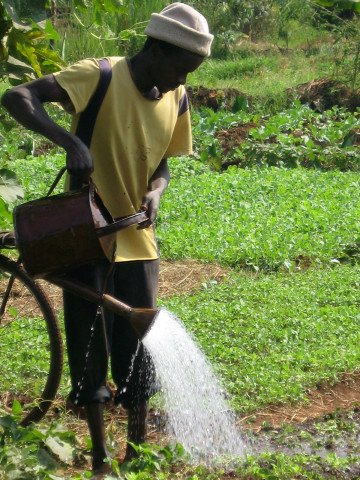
[25, 33]
[326, 3]
[62, 450]
[4, 211]
[342, 4]
[16, 68]
[100, 8]
[349, 5]
[22, 10]
[10, 190]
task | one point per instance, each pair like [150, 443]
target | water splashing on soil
[198, 416]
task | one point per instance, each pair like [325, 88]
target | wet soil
[336, 433]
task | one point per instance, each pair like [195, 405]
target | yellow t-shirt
[132, 135]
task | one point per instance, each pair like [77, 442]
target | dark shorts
[92, 339]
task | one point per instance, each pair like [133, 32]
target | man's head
[182, 26]
[178, 41]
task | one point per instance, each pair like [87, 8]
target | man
[143, 119]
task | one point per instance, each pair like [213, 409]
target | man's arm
[25, 104]
[157, 185]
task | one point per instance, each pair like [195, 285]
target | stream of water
[197, 413]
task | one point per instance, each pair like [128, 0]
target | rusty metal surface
[54, 234]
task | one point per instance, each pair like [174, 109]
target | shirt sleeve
[79, 81]
[181, 140]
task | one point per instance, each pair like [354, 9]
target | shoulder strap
[87, 118]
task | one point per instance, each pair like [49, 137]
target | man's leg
[88, 358]
[136, 429]
[95, 420]
[135, 283]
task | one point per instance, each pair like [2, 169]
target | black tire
[31, 350]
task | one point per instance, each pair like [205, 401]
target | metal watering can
[57, 233]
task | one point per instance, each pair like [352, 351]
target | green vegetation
[262, 74]
[297, 136]
[261, 332]
[33, 452]
[38, 452]
[266, 218]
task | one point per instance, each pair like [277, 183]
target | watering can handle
[122, 223]
[58, 178]
[56, 181]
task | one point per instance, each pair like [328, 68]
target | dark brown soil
[234, 136]
[323, 93]
[356, 134]
[325, 399]
[213, 98]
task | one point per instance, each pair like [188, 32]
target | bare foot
[99, 463]
[101, 471]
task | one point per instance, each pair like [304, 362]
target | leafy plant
[260, 218]
[34, 451]
[340, 5]
[152, 459]
[295, 137]
[10, 190]
[272, 337]
[25, 52]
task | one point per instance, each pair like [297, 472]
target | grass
[268, 218]
[261, 75]
[41, 169]
[96, 41]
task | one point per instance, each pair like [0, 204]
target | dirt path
[344, 395]
[175, 278]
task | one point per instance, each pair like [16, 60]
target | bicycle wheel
[31, 351]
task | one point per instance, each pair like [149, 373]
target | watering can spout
[142, 320]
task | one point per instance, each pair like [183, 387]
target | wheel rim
[30, 347]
